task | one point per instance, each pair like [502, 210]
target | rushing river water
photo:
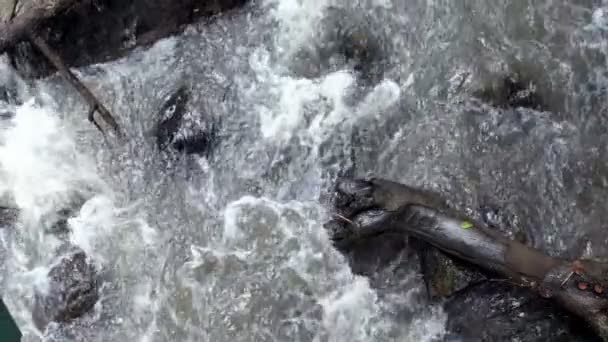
[230, 247]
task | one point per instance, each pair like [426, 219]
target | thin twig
[567, 278]
[91, 117]
[13, 10]
[345, 219]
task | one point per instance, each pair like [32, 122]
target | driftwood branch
[94, 104]
[372, 207]
[24, 27]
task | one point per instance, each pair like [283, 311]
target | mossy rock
[445, 276]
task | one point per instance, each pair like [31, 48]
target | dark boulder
[498, 311]
[179, 132]
[72, 292]
[444, 275]
[8, 217]
[57, 223]
[371, 256]
[347, 38]
[193, 143]
[512, 91]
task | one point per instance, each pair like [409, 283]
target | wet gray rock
[182, 133]
[444, 275]
[497, 311]
[8, 217]
[57, 223]
[73, 290]
[12, 88]
[371, 256]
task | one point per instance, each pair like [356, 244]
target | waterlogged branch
[94, 104]
[24, 27]
[371, 207]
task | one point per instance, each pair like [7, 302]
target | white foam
[93, 224]
[39, 160]
[348, 310]
[428, 327]
[297, 22]
[316, 105]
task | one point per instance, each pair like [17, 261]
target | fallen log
[372, 207]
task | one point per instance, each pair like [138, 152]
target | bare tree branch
[93, 102]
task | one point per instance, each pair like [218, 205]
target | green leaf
[466, 225]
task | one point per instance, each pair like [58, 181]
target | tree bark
[367, 208]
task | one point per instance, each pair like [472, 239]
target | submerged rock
[72, 291]
[371, 256]
[348, 38]
[497, 311]
[170, 116]
[351, 36]
[193, 143]
[57, 223]
[176, 131]
[511, 92]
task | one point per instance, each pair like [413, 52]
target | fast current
[229, 246]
